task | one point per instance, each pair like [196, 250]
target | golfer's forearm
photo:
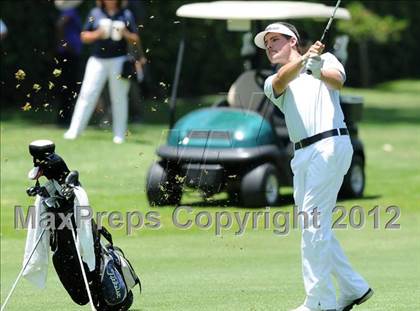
[332, 78]
[90, 36]
[132, 37]
[286, 74]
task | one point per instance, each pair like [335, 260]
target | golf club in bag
[107, 285]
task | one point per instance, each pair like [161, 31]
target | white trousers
[98, 71]
[318, 174]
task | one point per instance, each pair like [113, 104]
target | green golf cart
[241, 145]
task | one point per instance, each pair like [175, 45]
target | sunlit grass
[195, 270]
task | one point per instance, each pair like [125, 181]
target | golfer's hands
[312, 60]
[316, 49]
[314, 65]
[92, 36]
[125, 32]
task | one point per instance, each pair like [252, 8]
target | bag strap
[105, 233]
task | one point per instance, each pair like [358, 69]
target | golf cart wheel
[162, 187]
[354, 181]
[260, 186]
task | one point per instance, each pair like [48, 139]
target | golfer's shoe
[70, 135]
[348, 304]
[118, 140]
[304, 308]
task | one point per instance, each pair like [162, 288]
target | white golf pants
[318, 174]
[98, 71]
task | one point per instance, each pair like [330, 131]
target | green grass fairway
[195, 269]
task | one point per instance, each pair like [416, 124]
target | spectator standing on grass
[69, 45]
[110, 28]
[136, 91]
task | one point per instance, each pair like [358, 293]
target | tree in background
[212, 54]
[366, 26]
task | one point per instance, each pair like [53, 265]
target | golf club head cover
[51, 164]
[71, 181]
[40, 149]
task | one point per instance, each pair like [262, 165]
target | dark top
[71, 32]
[108, 48]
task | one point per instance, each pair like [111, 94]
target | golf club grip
[308, 71]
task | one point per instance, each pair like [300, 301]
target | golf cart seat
[247, 93]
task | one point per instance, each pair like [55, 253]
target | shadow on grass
[153, 111]
[364, 198]
[402, 86]
[285, 200]
[143, 142]
[157, 112]
[391, 115]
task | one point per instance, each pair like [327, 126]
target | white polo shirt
[309, 106]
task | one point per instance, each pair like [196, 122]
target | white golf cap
[275, 27]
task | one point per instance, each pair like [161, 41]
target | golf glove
[314, 65]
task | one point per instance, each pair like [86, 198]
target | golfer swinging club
[306, 89]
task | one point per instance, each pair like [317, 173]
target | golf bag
[110, 283]
[113, 278]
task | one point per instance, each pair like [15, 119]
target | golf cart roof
[259, 10]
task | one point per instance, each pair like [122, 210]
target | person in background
[69, 45]
[110, 28]
[138, 9]
[248, 51]
[3, 30]
[136, 91]
[340, 48]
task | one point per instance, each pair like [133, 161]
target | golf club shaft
[92, 305]
[309, 72]
[21, 271]
[330, 21]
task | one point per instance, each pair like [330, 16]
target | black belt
[313, 139]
